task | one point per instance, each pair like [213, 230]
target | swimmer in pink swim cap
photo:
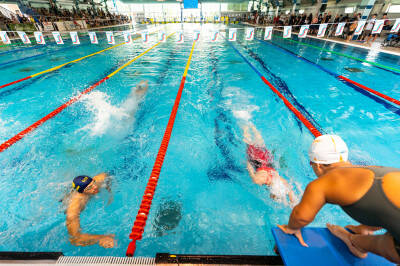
[260, 165]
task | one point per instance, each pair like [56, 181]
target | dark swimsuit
[375, 209]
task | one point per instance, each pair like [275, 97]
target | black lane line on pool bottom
[284, 89]
[223, 132]
[142, 111]
[377, 99]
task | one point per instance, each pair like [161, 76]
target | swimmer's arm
[312, 201]
[100, 178]
[257, 180]
[74, 228]
[290, 192]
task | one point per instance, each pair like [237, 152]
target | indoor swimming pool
[205, 202]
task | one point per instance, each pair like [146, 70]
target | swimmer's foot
[344, 235]
[359, 229]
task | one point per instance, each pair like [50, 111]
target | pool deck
[375, 46]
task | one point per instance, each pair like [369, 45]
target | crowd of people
[93, 18]
[313, 20]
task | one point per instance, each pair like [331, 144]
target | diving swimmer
[84, 188]
[368, 194]
[260, 165]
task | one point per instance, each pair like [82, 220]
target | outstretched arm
[312, 201]
[290, 192]
[78, 238]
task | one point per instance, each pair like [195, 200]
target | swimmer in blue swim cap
[84, 187]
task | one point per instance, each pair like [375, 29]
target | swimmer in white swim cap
[368, 194]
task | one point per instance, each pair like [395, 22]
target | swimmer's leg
[382, 245]
[247, 138]
[346, 236]
[258, 139]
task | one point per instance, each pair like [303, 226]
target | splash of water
[108, 118]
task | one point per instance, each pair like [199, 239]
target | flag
[127, 37]
[110, 37]
[303, 31]
[4, 37]
[360, 27]
[39, 37]
[268, 33]
[24, 37]
[93, 37]
[162, 37]
[340, 28]
[57, 37]
[232, 35]
[249, 34]
[74, 37]
[287, 31]
[322, 30]
[378, 26]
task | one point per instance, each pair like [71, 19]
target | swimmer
[84, 188]
[259, 165]
[368, 194]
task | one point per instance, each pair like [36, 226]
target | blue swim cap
[81, 182]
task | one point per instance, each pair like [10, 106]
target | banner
[162, 37]
[39, 37]
[378, 26]
[303, 31]
[127, 37]
[74, 37]
[57, 37]
[47, 26]
[196, 35]
[360, 27]
[249, 34]
[82, 23]
[232, 35]
[214, 35]
[396, 26]
[60, 26]
[110, 37]
[24, 37]
[287, 31]
[268, 33]
[4, 37]
[70, 25]
[340, 28]
[179, 37]
[322, 30]
[93, 37]
[145, 36]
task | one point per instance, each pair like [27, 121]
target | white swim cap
[327, 149]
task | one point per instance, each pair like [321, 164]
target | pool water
[205, 202]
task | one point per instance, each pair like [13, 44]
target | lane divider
[37, 55]
[344, 79]
[145, 205]
[296, 112]
[60, 66]
[387, 68]
[35, 125]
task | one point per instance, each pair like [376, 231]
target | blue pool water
[205, 202]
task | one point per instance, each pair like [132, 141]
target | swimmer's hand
[297, 233]
[107, 241]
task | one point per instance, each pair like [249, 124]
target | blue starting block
[324, 249]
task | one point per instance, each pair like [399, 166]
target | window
[349, 10]
[394, 9]
[301, 11]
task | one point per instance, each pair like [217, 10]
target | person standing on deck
[368, 194]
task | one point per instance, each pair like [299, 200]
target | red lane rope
[388, 98]
[16, 81]
[35, 125]
[297, 113]
[144, 209]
